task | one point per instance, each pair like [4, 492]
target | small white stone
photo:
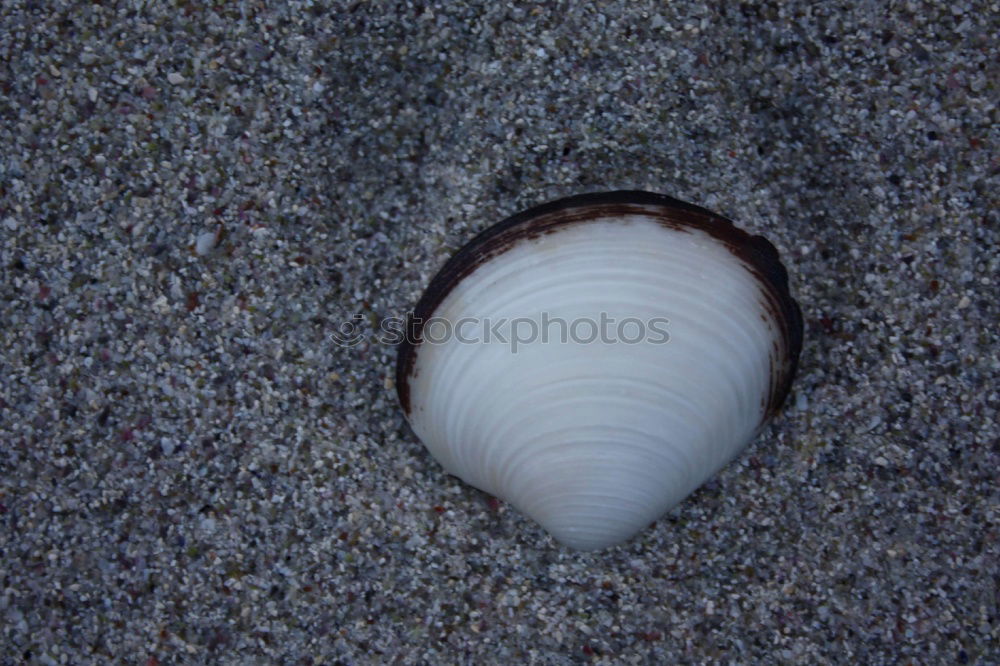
[10, 223]
[875, 422]
[92, 94]
[205, 243]
[175, 78]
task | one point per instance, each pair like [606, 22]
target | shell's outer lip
[757, 253]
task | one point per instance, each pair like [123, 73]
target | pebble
[205, 243]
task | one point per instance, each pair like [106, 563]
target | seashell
[595, 439]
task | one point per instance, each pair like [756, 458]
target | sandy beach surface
[194, 196]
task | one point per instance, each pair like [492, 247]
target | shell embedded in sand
[596, 438]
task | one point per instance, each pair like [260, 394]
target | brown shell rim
[756, 252]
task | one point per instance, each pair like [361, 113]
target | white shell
[596, 440]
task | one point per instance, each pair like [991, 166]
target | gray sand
[191, 200]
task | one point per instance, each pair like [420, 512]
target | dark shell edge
[756, 252]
